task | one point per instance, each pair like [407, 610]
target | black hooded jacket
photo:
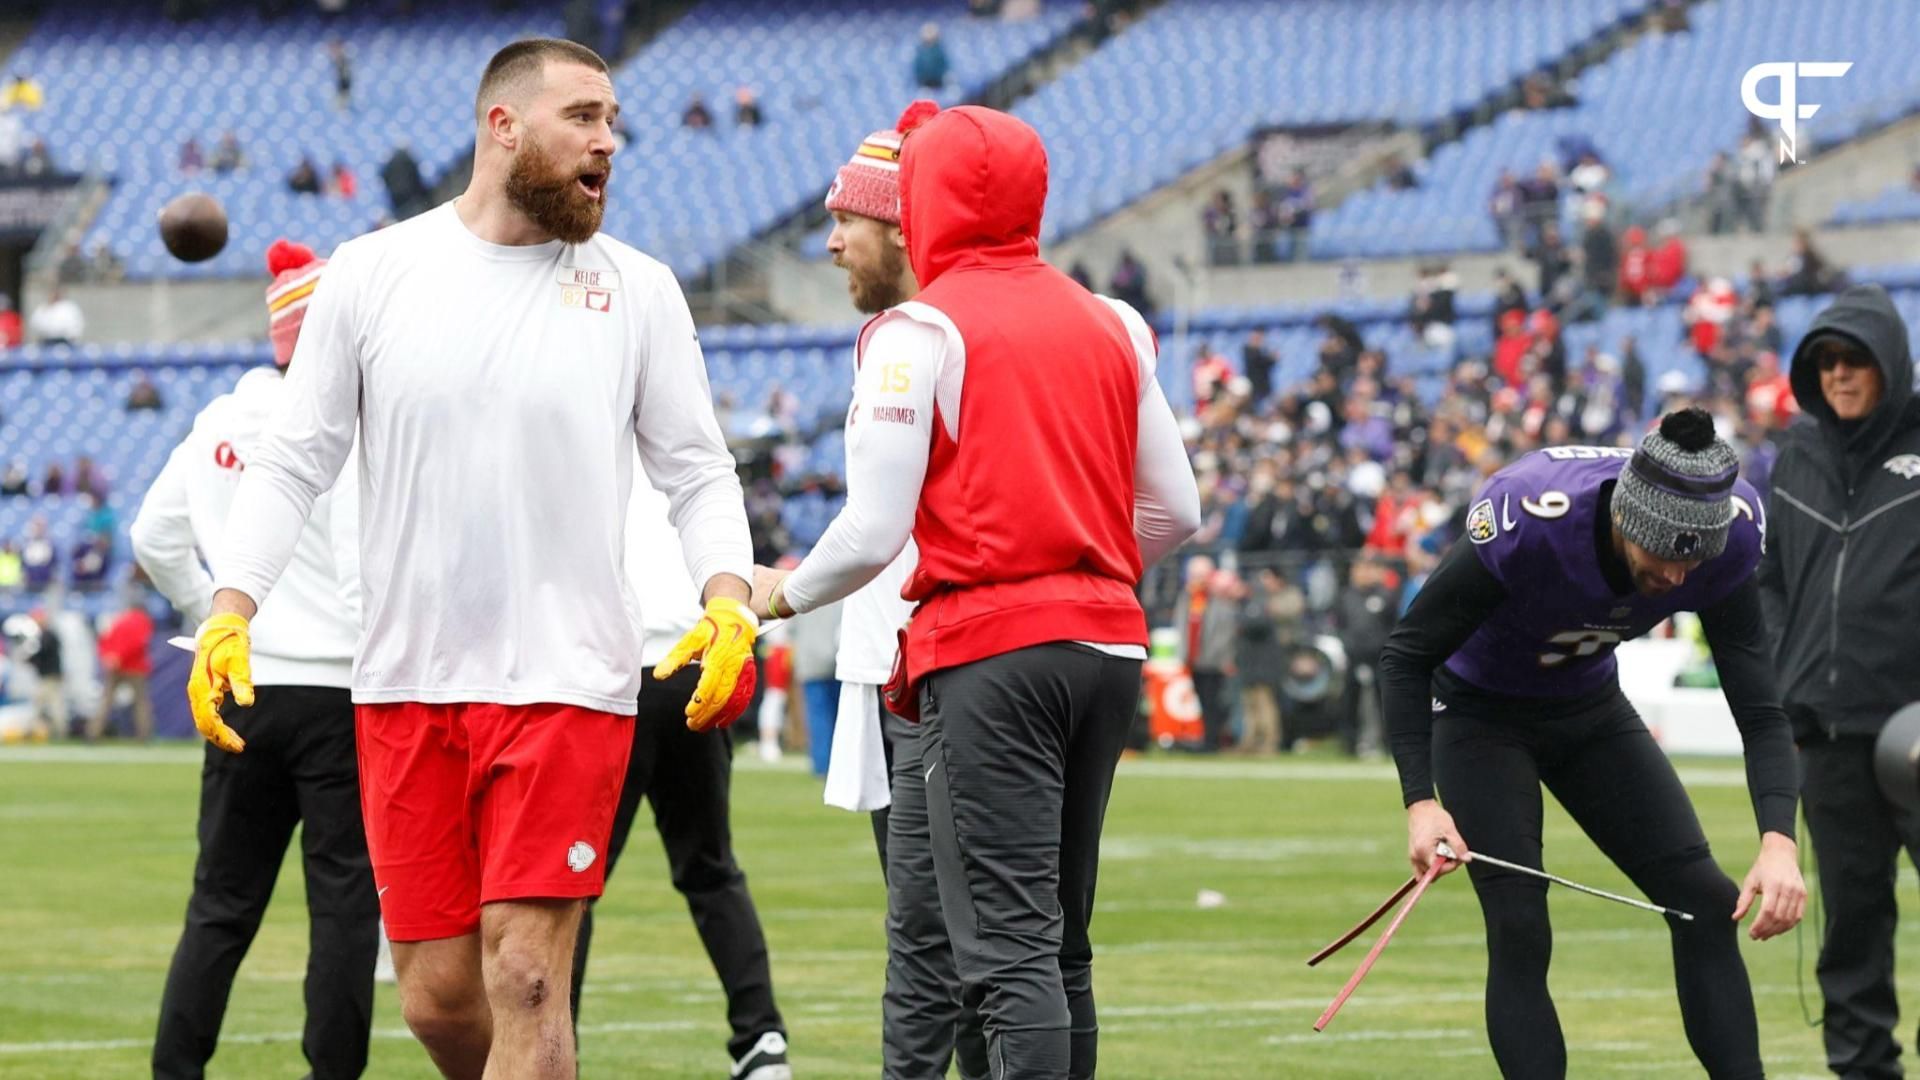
[1840, 579]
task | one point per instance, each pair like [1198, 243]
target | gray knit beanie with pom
[1675, 495]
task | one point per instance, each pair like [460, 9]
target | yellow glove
[723, 643]
[222, 661]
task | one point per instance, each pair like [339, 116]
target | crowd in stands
[1127, 282]
[80, 669]
[1739, 186]
[1271, 228]
[58, 319]
[1326, 500]
[407, 191]
[1331, 500]
[747, 111]
[1527, 207]
[21, 156]
[32, 562]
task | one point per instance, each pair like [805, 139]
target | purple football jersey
[1532, 525]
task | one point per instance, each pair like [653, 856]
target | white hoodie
[305, 633]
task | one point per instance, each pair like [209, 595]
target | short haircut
[523, 64]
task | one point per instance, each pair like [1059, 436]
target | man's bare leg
[444, 1001]
[527, 959]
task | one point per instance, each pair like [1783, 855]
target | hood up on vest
[973, 186]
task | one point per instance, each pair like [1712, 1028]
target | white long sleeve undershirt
[500, 393]
[908, 363]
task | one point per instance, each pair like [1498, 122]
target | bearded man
[498, 362]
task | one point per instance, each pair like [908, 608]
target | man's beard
[878, 289]
[550, 196]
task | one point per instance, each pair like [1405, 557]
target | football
[194, 227]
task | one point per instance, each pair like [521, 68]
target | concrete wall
[805, 291]
[1807, 194]
[171, 310]
[815, 293]
[1378, 278]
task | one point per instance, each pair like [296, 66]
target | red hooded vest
[1025, 524]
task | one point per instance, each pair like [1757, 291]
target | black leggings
[1603, 766]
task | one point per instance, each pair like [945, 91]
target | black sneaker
[766, 1061]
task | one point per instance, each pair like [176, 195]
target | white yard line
[102, 755]
[1703, 772]
[1694, 771]
[86, 1045]
[1118, 1018]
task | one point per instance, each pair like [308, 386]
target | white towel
[857, 767]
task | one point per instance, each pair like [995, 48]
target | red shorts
[472, 803]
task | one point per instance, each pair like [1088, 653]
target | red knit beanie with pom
[295, 270]
[869, 184]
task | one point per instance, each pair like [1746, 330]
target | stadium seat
[1656, 153]
[826, 74]
[1192, 80]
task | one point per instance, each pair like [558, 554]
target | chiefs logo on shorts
[1480, 523]
[580, 856]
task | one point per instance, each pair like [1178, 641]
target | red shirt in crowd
[123, 648]
[1668, 264]
[1388, 537]
[1636, 273]
[1512, 347]
[1770, 399]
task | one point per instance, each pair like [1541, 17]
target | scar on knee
[536, 994]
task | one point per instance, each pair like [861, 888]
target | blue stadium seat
[1656, 152]
[120, 79]
[1192, 80]
[1899, 202]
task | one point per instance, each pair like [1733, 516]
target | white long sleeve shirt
[910, 363]
[499, 392]
[304, 634]
[870, 622]
[657, 570]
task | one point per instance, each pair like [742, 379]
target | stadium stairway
[656, 17]
[1849, 174]
[1656, 112]
[1393, 279]
[1165, 226]
[1162, 226]
[773, 276]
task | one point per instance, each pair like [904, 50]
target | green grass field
[96, 854]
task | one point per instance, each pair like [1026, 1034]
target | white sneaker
[766, 1061]
[770, 752]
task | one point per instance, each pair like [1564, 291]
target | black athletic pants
[686, 776]
[1020, 751]
[1216, 708]
[1605, 769]
[299, 768]
[923, 1027]
[1857, 839]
